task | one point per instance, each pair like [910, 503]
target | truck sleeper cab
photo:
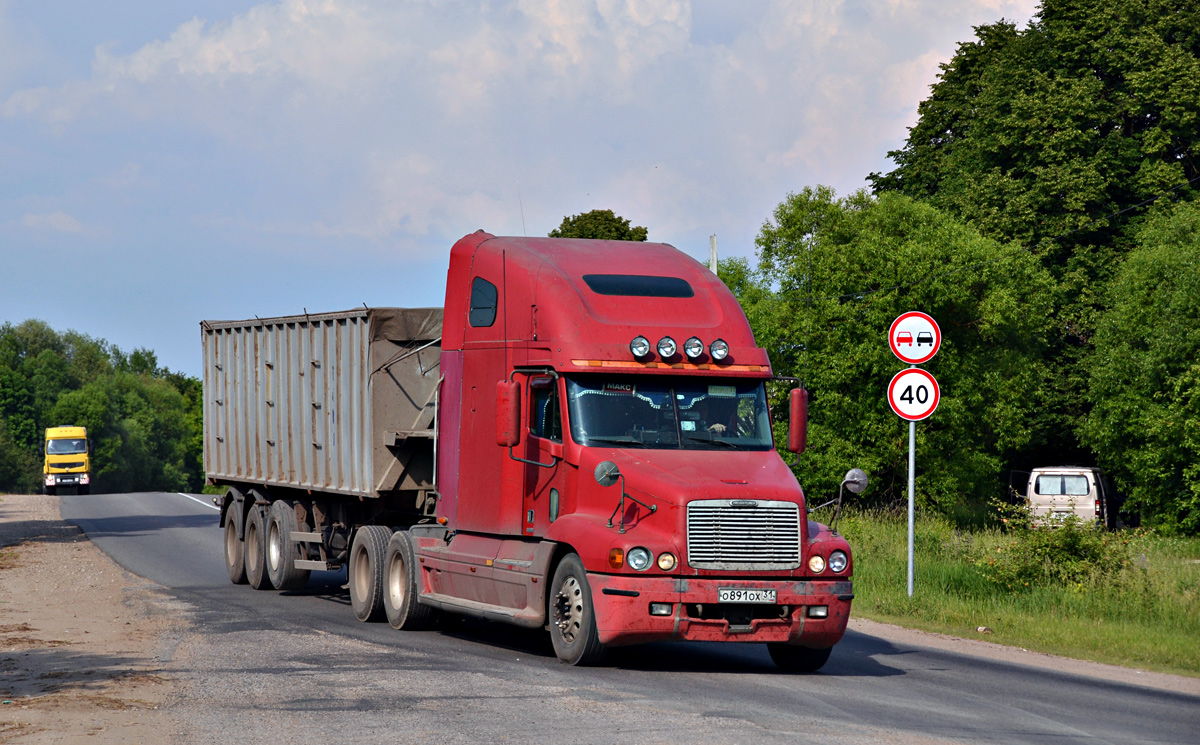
[600, 461]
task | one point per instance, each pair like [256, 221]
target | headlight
[838, 561]
[666, 347]
[816, 564]
[640, 346]
[693, 348]
[638, 558]
[719, 349]
[666, 562]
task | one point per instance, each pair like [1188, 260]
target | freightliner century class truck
[579, 441]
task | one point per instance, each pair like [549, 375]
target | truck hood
[680, 476]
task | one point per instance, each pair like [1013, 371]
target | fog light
[818, 611]
[666, 347]
[640, 346]
[616, 558]
[693, 348]
[719, 349]
[638, 558]
[816, 564]
[838, 561]
[660, 609]
[666, 562]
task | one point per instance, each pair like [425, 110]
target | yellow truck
[68, 460]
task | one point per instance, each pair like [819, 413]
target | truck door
[543, 484]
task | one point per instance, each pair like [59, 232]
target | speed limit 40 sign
[913, 394]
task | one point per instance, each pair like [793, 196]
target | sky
[164, 163]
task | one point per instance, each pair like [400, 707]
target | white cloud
[57, 222]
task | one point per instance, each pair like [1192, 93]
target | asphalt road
[265, 666]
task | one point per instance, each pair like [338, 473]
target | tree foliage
[144, 420]
[599, 224]
[1057, 136]
[831, 276]
[1145, 383]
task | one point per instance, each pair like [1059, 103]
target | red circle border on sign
[892, 341]
[937, 394]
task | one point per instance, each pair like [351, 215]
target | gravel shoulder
[82, 642]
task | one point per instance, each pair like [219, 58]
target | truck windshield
[66, 447]
[669, 413]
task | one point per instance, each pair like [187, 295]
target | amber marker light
[616, 558]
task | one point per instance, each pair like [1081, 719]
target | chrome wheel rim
[568, 610]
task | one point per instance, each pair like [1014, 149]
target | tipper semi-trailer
[580, 441]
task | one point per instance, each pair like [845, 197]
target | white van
[1052, 493]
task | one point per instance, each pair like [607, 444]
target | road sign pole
[912, 468]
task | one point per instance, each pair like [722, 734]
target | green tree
[1145, 383]
[599, 224]
[1051, 136]
[832, 275]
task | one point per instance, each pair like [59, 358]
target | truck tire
[235, 550]
[365, 571]
[400, 586]
[572, 615]
[281, 551]
[256, 550]
[793, 659]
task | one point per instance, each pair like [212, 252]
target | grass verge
[1127, 598]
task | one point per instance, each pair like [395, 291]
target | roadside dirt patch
[81, 642]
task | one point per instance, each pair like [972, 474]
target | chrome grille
[743, 534]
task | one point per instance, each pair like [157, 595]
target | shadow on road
[138, 525]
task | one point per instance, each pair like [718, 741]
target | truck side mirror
[798, 420]
[508, 413]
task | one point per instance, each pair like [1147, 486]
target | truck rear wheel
[366, 571]
[400, 586]
[572, 615]
[795, 659]
[256, 549]
[282, 552]
[235, 550]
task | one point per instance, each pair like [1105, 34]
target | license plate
[744, 595]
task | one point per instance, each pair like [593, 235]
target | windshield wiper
[712, 441]
[623, 441]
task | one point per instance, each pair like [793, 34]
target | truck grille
[743, 534]
[66, 465]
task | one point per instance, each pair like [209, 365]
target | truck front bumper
[810, 613]
[67, 479]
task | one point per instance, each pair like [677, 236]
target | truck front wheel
[795, 659]
[572, 615]
[255, 545]
[366, 571]
[400, 592]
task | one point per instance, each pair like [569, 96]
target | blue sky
[162, 163]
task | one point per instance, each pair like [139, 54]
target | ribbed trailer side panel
[288, 402]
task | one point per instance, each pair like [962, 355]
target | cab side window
[545, 418]
[483, 303]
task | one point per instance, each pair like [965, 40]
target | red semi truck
[580, 442]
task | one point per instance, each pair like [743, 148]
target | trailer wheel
[572, 615]
[235, 550]
[281, 551]
[400, 586]
[366, 571]
[795, 659]
[256, 549]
